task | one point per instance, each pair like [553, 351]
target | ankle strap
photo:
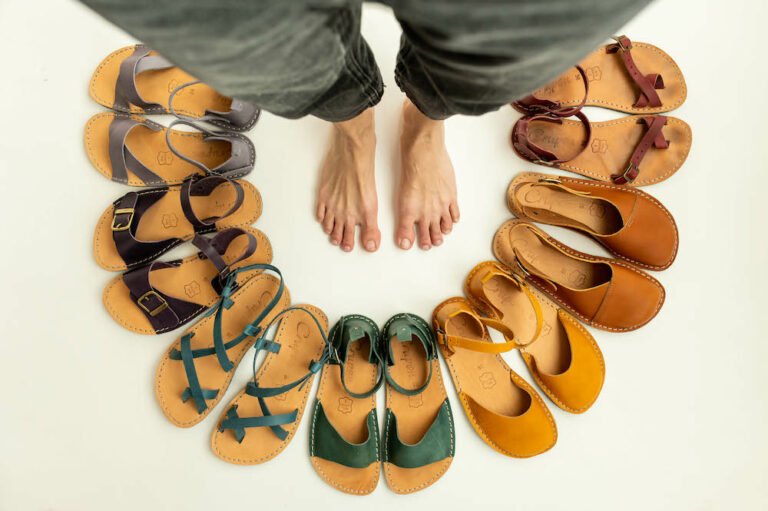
[532, 105]
[536, 154]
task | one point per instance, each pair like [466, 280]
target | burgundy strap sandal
[635, 150]
[136, 79]
[163, 296]
[141, 226]
[636, 78]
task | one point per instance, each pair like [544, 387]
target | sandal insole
[553, 205]
[300, 344]
[190, 281]
[611, 146]
[165, 219]
[156, 87]
[151, 149]
[171, 379]
[610, 85]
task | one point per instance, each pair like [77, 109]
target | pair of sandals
[638, 150]
[418, 441]
[562, 356]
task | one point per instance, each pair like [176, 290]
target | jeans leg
[291, 58]
[467, 57]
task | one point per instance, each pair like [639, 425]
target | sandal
[636, 150]
[503, 408]
[196, 370]
[419, 437]
[163, 296]
[135, 151]
[631, 224]
[636, 78]
[562, 356]
[344, 437]
[140, 226]
[137, 80]
[604, 293]
[262, 419]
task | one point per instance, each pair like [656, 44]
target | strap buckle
[146, 297]
[120, 226]
[545, 163]
[629, 175]
[620, 42]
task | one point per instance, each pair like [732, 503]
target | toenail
[370, 246]
[425, 247]
[405, 243]
[437, 243]
[346, 248]
[334, 242]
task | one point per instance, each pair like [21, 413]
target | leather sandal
[262, 419]
[635, 150]
[631, 224]
[505, 411]
[344, 436]
[562, 356]
[133, 150]
[137, 80]
[197, 368]
[163, 296]
[601, 292]
[419, 436]
[629, 77]
[140, 226]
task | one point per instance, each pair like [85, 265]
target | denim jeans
[307, 57]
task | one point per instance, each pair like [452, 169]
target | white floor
[681, 420]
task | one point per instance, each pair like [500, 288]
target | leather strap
[533, 105]
[196, 187]
[350, 329]
[405, 327]
[647, 83]
[121, 158]
[653, 138]
[126, 93]
[241, 113]
[536, 154]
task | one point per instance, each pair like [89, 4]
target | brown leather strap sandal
[636, 78]
[604, 293]
[196, 371]
[135, 151]
[631, 224]
[137, 80]
[262, 419]
[140, 226]
[639, 150]
[505, 411]
[163, 296]
[562, 356]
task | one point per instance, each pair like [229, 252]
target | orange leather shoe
[507, 413]
[631, 224]
[562, 356]
[604, 293]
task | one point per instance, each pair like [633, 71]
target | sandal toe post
[504, 410]
[630, 223]
[345, 449]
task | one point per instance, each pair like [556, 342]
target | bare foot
[346, 193]
[427, 189]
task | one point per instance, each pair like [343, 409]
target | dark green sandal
[344, 437]
[419, 438]
[262, 419]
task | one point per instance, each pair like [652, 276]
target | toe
[405, 235]
[337, 232]
[435, 235]
[370, 236]
[446, 223]
[454, 210]
[425, 243]
[328, 223]
[348, 238]
[320, 213]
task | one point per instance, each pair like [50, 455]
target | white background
[681, 422]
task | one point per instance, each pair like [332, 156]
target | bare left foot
[426, 201]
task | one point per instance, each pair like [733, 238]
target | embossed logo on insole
[597, 210]
[169, 220]
[164, 157]
[594, 73]
[415, 401]
[576, 278]
[345, 404]
[487, 380]
[546, 328]
[192, 289]
[540, 137]
[599, 146]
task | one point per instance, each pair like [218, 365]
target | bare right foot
[346, 193]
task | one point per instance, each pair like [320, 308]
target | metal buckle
[624, 177]
[550, 180]
[621, 44]
[157, 310]
[545, 163]
[117, 226]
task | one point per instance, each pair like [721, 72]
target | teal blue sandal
[262, 419]
[419, 437]
[344, 437]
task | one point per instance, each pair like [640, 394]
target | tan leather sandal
[629, 77]
[631, 224]
[604, 293]
[562, 356]
[635, 150]
[505, 411]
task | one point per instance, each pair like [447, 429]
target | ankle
[360, 128]
[418, 127]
